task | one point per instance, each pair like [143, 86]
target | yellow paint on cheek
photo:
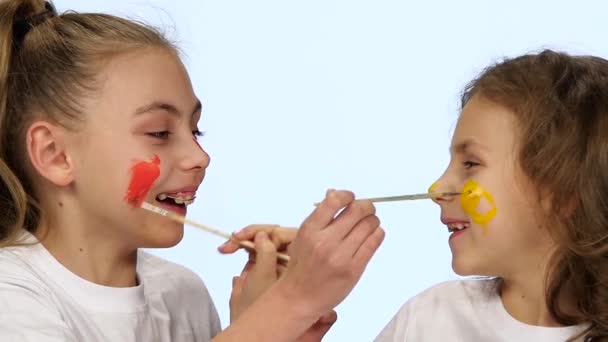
[472, 194]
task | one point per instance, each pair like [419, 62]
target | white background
[301, 96]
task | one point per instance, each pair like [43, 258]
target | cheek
[478, 203]
[143, 176]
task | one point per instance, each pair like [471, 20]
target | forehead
[142, 76]
[487, 124]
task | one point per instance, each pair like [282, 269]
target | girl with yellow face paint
[528, 156]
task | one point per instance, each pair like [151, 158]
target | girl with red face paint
[98, 115]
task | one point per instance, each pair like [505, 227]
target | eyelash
[164, 135]
[469, 164]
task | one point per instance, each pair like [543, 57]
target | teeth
[177, 199]
[457, 226]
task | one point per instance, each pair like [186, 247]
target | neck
[524, 297]
[81, 246]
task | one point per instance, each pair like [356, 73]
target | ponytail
[17, 209]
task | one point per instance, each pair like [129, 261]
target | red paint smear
[197, 144]
[143, 175]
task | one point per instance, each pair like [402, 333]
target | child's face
[484, 150]
[146, 110]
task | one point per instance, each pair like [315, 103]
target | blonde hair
[48, 63]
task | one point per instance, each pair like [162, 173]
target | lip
[450, 220]
[188, 190]
[456, 233]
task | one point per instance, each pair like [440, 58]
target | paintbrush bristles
[183, 220]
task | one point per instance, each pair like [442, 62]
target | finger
[245, 234]
[359, 234]
[281, 269]
[329, 318]
[350, 217]
[265, 266]
[229, 247]
[247, 268]
[235, 297]
[249, 232]
[368, 248]
[237, 289]
[282, 237]
[325, 212]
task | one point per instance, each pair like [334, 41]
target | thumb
[265, 266]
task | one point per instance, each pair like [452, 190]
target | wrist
[295, 308]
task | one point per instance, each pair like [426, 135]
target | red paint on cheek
[143, 175]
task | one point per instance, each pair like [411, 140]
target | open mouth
[455, 227]
[180, 199]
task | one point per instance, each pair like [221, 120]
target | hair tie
[22, 26]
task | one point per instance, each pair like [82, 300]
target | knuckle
[357, 209]
[368, 207]
[374, 222]
[336, 264]
[333, 202]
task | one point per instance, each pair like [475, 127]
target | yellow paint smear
[472, 193]
[433, 186]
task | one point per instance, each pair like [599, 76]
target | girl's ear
[47, 152]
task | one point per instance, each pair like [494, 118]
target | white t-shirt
[41, 300]
[465, 310]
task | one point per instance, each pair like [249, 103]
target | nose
[194, 156]
[440, 186]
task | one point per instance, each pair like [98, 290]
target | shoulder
[16, 265]
[439, 303]
[162, 271]
[23, 289]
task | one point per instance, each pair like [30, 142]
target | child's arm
[328, 257]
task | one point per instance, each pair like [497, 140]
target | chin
[463, 267]
[166, 236]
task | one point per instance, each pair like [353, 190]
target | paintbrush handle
[407, 197]
[183, 220]
[410, 197]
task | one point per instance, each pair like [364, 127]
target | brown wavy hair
[561, 105]
[48, 63]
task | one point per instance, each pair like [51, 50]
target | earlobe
[47, 152]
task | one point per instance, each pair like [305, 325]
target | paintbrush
[181, 219]
[427, 195]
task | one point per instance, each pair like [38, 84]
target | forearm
[274, 317]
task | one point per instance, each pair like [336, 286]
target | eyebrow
[166, 107]
[464, 146]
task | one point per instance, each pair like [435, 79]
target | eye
[469, 164]
[159, 135]
[197, 133]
